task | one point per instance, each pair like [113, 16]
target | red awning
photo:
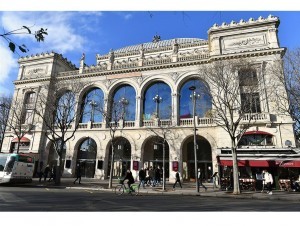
[288, 163]
[251, 163]
[263, 163]
[257, 132]
[23, 139]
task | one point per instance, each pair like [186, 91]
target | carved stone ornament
[248, 41]
[175, 76]
[139, 80]
[107, 83]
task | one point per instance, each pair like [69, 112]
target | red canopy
[257, 132]
[263, 163]
[23, 139]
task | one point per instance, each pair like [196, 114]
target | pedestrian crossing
[10, 198]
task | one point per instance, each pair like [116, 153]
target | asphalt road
[58, 200]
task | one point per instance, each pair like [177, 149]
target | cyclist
[129, 177]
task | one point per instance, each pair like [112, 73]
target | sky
[89, 27]
[72, 33]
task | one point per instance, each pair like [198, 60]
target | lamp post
[93, 105]
[157, 99]
[194, 96]
[124, 103]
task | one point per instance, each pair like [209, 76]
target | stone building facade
[154, 78]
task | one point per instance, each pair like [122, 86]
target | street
[57, 200]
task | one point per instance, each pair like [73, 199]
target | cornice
[253, 53]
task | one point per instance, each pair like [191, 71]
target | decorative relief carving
[175, 76]
[257, 40]
[31, 72]
[139, 80]
[248, 41]
[107, 83]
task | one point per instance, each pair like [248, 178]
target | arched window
[29, 107]
[65, 108]
[157, 101]
[203, 102]
[250, 98]
[124, 101]
[93, 106]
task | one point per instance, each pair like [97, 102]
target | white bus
[16, 168]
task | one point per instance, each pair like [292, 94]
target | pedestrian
[52, 173]
[200, 178]
[268, 181]
[78, 173]
[40, 174]
[46, 172]
[263, 181]
[142, 177]
[151, 176]
[157, 175]
[231, 180]
[177, 177]
[215, 178]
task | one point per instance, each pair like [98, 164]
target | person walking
[78, 173]
[200, 178]
[268, 182]
[52, 174]
[46, 172]
[142, 177]
[177, 177]
[151, 176]
[215, 178]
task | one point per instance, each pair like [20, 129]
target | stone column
[175, 108]
[138, 111]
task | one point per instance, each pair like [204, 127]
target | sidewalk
[188, 189]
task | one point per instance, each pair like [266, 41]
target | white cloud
[7, 64]
[62, 36]
[127, 16]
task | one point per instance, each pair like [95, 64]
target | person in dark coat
[177, 176]
[142, 177]
[46, 172]
[200, 178]
[129, 177]
[78, 173]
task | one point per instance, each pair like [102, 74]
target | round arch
[157, 101]
[122, 156]
[152, 153]
[204, 157]
[86, 155]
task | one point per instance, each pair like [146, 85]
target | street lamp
[93, 105]
[157, 99]
[124, 103]
[194, 96]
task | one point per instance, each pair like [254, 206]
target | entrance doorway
[153, 154]
[204, 158]
[86, 155]
[122, 157]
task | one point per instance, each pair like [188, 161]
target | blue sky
[72, 33]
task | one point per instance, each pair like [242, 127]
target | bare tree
[163, 129]
[287, 75]
[60, 109]
[114, 118]
[19, 122]
[5, 103]
[234, 87]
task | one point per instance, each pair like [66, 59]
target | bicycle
[120, 189]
